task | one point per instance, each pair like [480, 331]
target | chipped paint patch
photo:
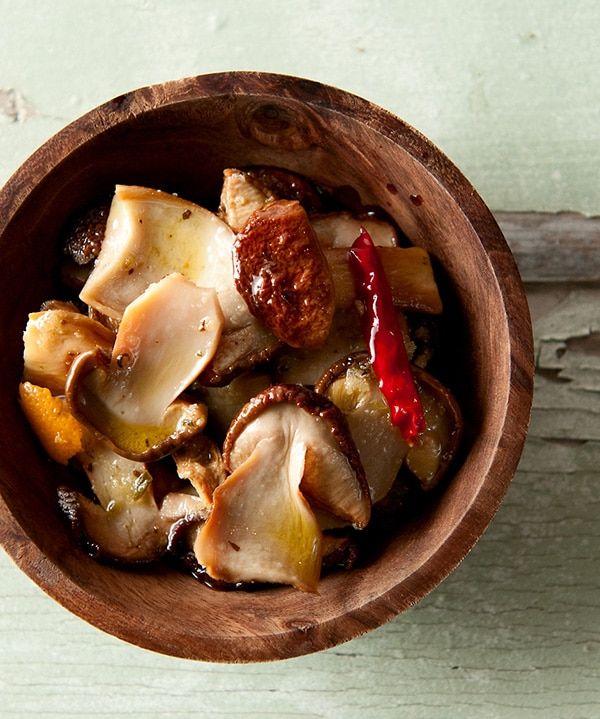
[14, 106]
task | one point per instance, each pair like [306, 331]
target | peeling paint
[14, 106]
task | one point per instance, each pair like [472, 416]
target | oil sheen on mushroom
[166, 338]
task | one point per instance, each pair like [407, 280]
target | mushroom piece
[435, 448]
[282, 274]
[53, 338]
[407, 269]
[340, 229]
[200, 462]
[166, 338]
[352, 386]
[239, 350]
[151, 234]
[286, 445]
[225, 402]
[240, 196]
[126, 525]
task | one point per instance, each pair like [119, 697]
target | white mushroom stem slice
[333, 478]
[125, 525]
[53, 339]
[261, 527]
[167, 337]
[150, 234]
[340, 229]
[407, 269]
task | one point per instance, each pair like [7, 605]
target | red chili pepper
[383, 334]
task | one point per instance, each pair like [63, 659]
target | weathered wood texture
[561, 247]
[514, 632]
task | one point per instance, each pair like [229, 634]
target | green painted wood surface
[511, 92]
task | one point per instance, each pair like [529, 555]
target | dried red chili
[383, 334]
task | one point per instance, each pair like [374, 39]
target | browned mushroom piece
[282, 274]
[352, 386]
[435, 448]
[87, 234]
[200, 462]
[283, 184]
[240, 349]
[53, 338]
[166, 338]
[286, 444]
[125, 525]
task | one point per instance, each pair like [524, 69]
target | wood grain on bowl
[179, 137]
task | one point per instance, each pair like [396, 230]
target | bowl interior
[179, 138]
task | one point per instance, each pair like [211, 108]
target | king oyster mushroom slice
[150, 234]
[333, 476]
[285, 443]
[53, 338]
[166, 338]
[126, 525]
[240, 196]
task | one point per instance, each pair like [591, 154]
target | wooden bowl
[179, 136]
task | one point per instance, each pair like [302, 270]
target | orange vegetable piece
[54, 425]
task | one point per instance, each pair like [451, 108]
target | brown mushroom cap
[334, 478]
[351, 385]
[282, 274]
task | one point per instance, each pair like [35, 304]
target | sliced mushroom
[261, 528]
[225, 402]
[200, 462]
[281, 273]
[352, 386]
[53, 338]
[333, 475]
[240, 196]
[166, 337]
[151, 234]
[239, 350]
[340, 229]
[126, 525]
[283, 184]
[286, 443]
[430, 456]
[408, 271]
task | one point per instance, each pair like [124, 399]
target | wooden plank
[553, 247]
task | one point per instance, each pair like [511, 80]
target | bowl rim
[29, 556]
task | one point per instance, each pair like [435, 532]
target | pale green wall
[510, 90]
